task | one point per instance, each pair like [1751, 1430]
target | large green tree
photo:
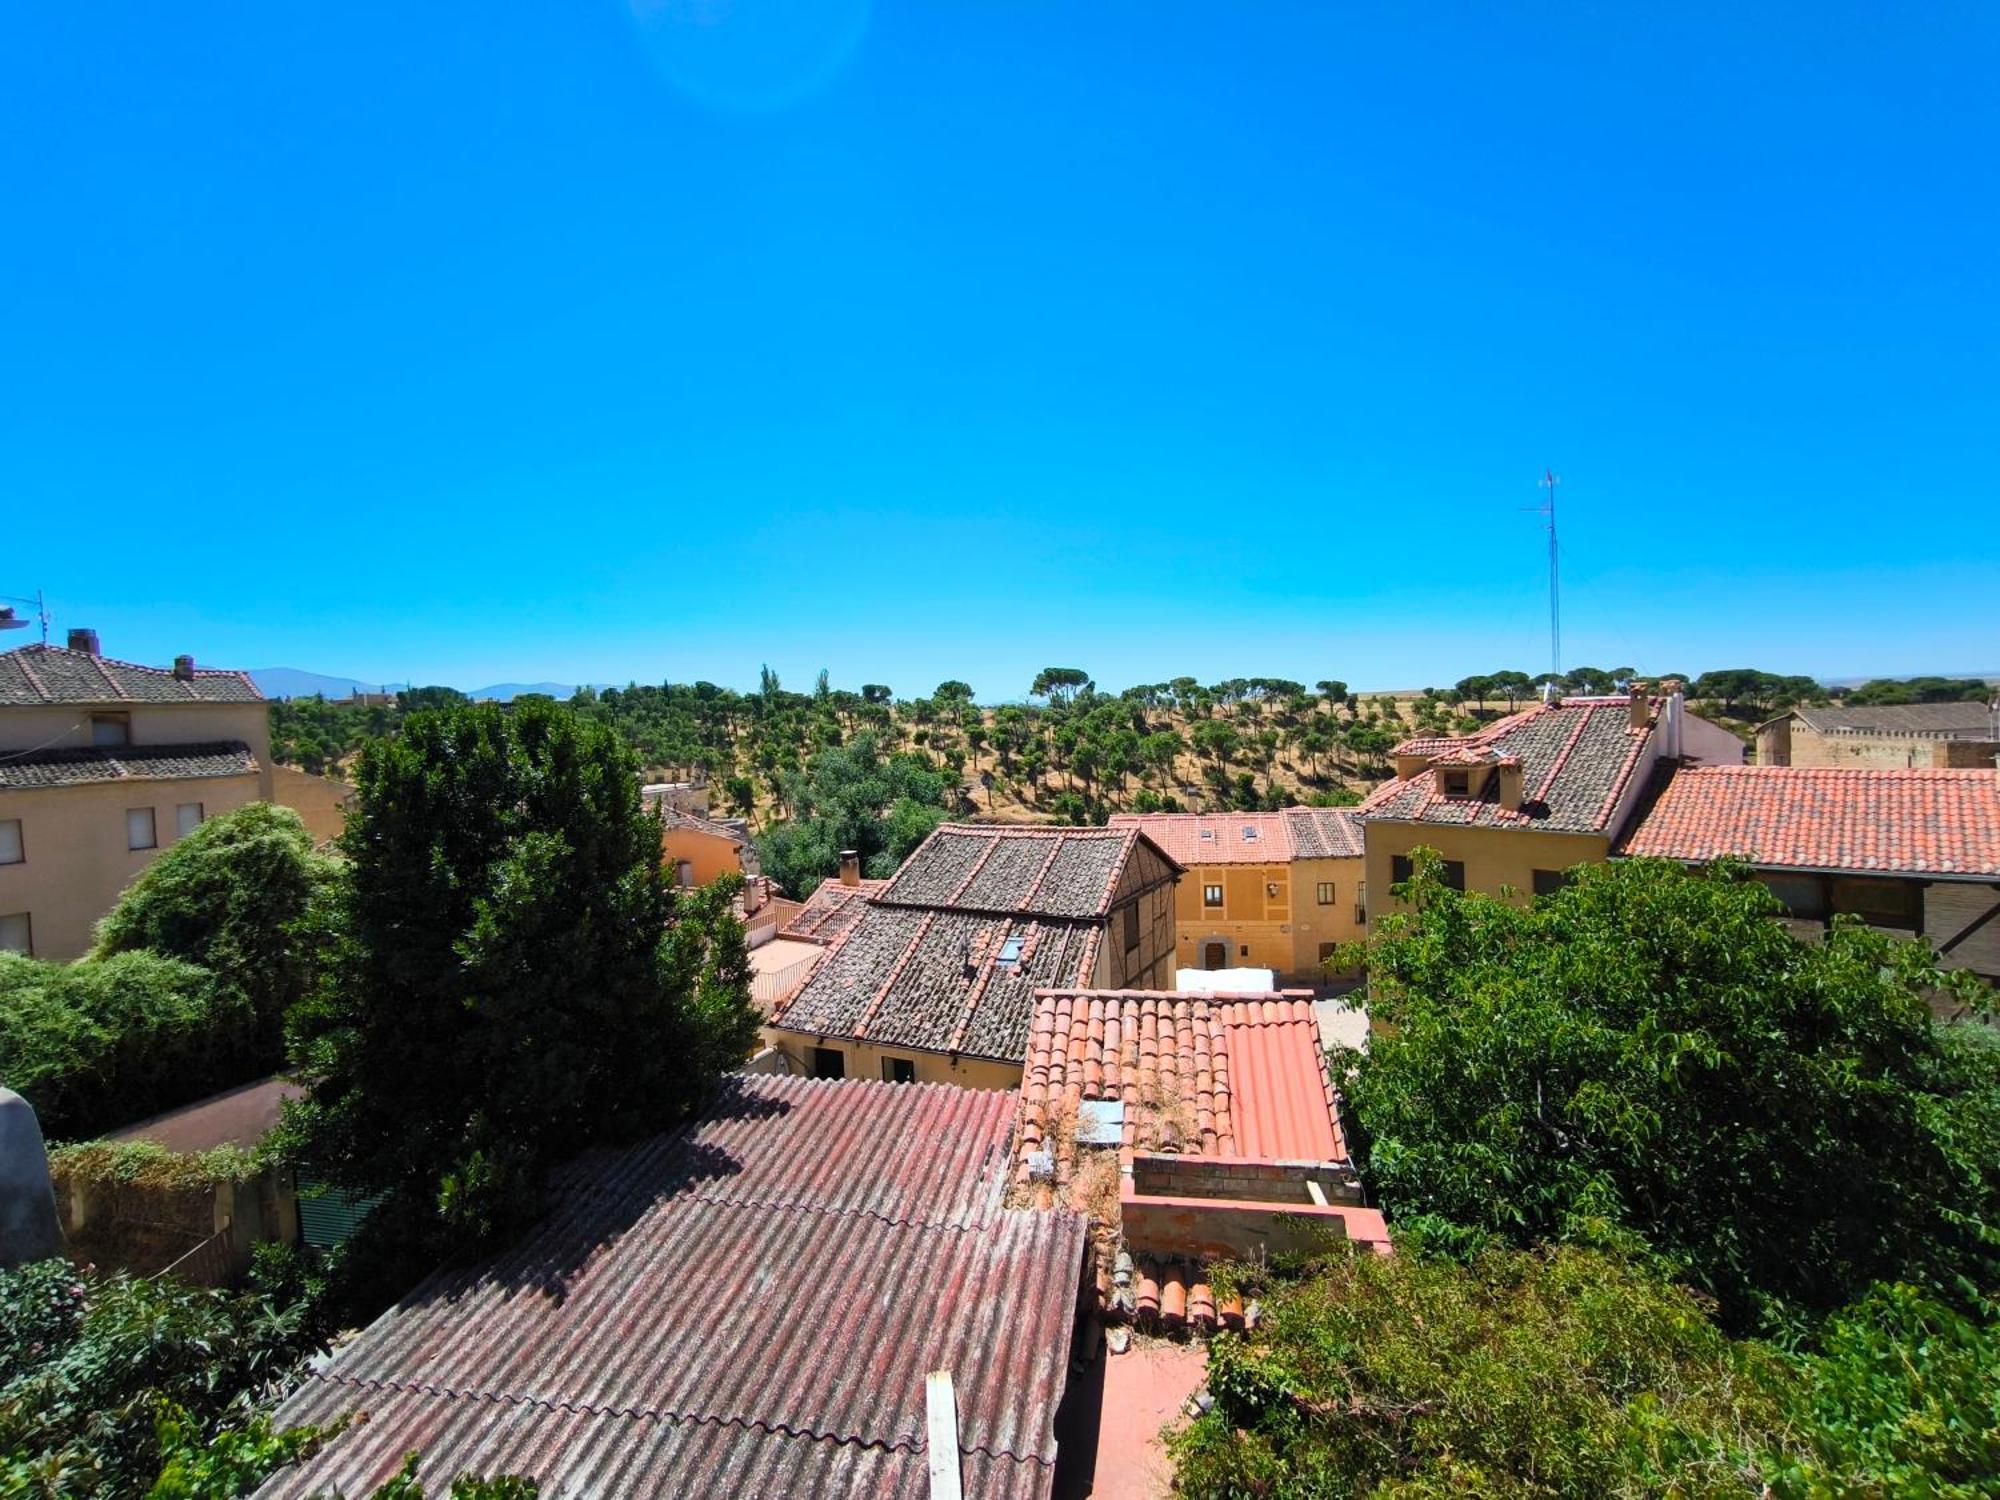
[512, 979]
[853, 797]
[1649, 1048]
[245, 896]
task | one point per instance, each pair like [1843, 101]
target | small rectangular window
[1131, 926]
[187, 818]
[110, 729]
[1457, 783]
[899, 1070]
[140, 832]
[1400, 868]
[1548, 882]
[1327, 950]
[829, 1062]
[1326, 893]
[1211, 895]
[16, 936]
[1880, 903]
[1804, 896]
[12, 851]
[1453, 873]
[1011, 949]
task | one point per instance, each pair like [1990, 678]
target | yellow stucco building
[1529, 796]
[1273, 890]
[104, 763]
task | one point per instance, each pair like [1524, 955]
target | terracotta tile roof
[1324, 832]
[1053, 872]
[830, 910]
[38, 675]
[1234, 1076]
[1256, 838]
[746, 1306]
[1943, 721]
[1577, 758]
[1917, 822]
[1272, 838]
[937, 981]
[44, 768]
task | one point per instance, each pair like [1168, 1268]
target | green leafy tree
[1649, 1048]
[100, 1043]
[504, 990]
[853, 797]
[1574, 1373]
[1059, 684]
[245, 896]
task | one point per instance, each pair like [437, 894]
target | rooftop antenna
[1549, 480]
[11, 621]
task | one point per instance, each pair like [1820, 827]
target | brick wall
[1157, 1175]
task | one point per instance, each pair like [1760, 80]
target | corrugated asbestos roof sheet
[40, 768]
[1914, 822]
[747, 1306]
[39, 675]
[1577, 756]
[1236, 1076]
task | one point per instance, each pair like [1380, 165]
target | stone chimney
[83, 640]
[1642, 707]
[850, 867]
[1511, 772]
[184, 668]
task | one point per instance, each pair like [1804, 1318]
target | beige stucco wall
[320, 801]
[68, 728]
[865, 1061]
[1495, 859]
[76, 860]
[1896, 751]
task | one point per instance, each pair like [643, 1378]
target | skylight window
[1249, 833]
[1208, 834]
[1010, 951]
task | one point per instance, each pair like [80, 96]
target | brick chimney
[850, 867]
[1511, 772]
[184, 668]
[83, 640]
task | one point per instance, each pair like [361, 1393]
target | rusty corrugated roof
[747, 1306]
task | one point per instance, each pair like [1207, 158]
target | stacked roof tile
[946, 957]
[747, 1306]
[1258, 838]
[831, 910]
[1577, 758]
[1909, 822]
[46, 768]
[1236, 1076]
[941, 980]
[1051, 872]
[39, 675]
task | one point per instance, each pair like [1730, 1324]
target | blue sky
[660, 338]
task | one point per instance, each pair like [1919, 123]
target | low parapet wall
[1237, 1229]
[1164, 1174]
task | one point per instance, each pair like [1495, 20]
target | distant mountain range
[295, 682]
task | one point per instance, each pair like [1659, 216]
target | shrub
[97, 1044]
[1574, 1372]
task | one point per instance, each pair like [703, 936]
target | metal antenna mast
[1549, 480]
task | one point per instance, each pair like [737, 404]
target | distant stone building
[1900, 736]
